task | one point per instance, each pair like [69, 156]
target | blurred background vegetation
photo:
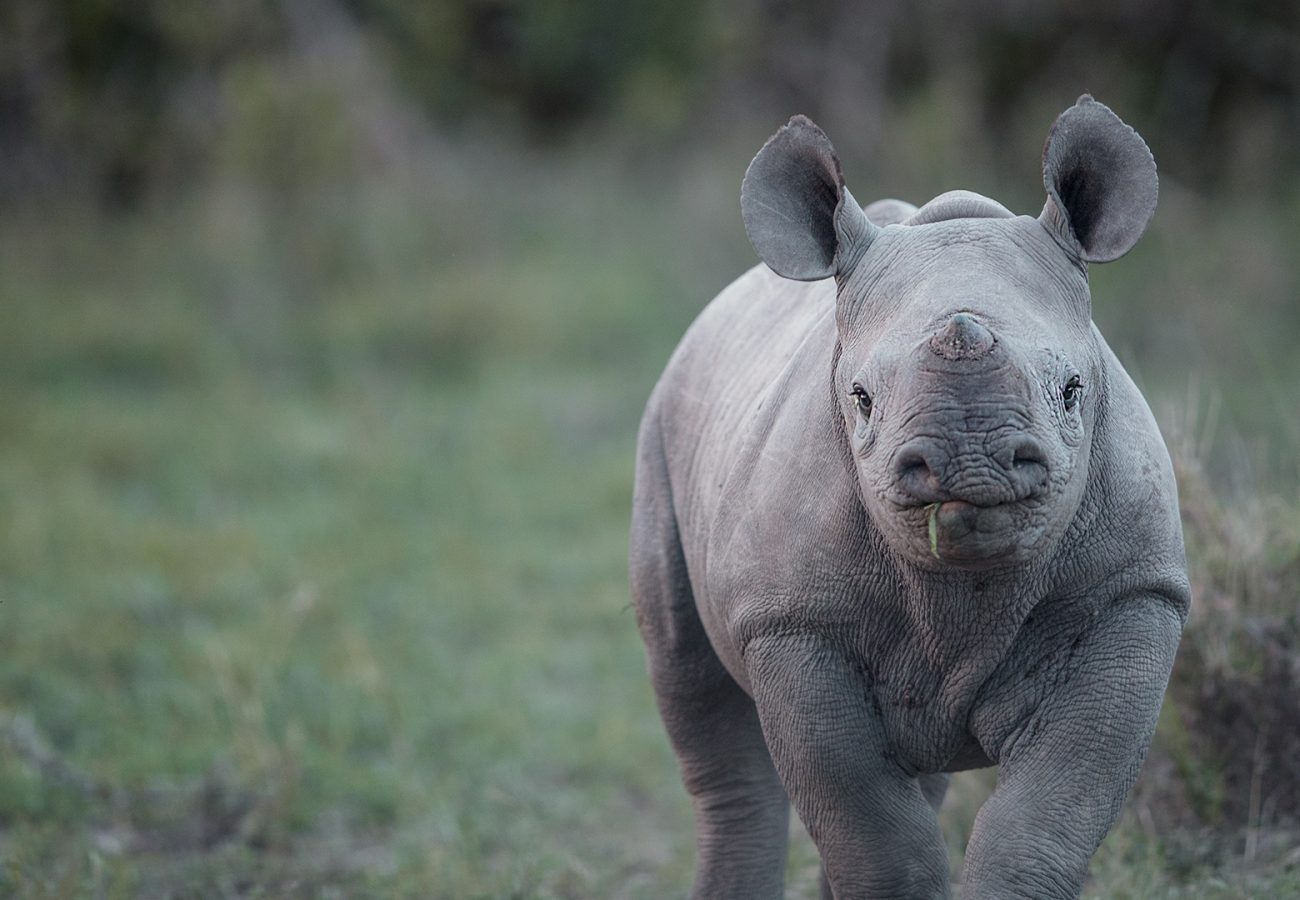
[325, 326]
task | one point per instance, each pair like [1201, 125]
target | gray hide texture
[910, 521]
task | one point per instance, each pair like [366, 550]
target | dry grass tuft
[1223, 779]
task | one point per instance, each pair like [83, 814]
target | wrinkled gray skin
[984, 566]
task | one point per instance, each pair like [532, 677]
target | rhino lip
[988, 497]
[957, 529]
[958, 504]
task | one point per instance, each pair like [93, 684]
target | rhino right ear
[798, 214]
[1100, 179]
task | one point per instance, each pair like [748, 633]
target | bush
[1224, 773]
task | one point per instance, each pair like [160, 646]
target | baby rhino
[910, 521]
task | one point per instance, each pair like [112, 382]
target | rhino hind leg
[741, 810]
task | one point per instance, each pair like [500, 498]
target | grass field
[313, 529]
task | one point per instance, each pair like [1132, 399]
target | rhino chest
[939, 710]
[926, 678]
[926, 726]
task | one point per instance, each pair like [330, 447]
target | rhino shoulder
[1134, 504]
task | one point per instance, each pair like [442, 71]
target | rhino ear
[1100, 179]
[798, 214]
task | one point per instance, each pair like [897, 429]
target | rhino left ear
[798, 214]
[1100, 179]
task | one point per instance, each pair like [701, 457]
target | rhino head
[967, 371]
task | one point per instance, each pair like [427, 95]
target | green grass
[313, 543]
[293, 557]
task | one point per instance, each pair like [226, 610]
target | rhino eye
[1071, 393]
[862, 399]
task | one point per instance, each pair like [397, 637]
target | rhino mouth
[963, 531]
[976, 516]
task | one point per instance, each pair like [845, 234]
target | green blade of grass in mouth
[933, 528]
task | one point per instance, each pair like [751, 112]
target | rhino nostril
[1028, 467]
[916, 471]
[1027, 453]
[911, 462]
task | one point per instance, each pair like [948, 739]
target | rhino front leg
[934, 787]
[1065, 770]
[873, 826]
